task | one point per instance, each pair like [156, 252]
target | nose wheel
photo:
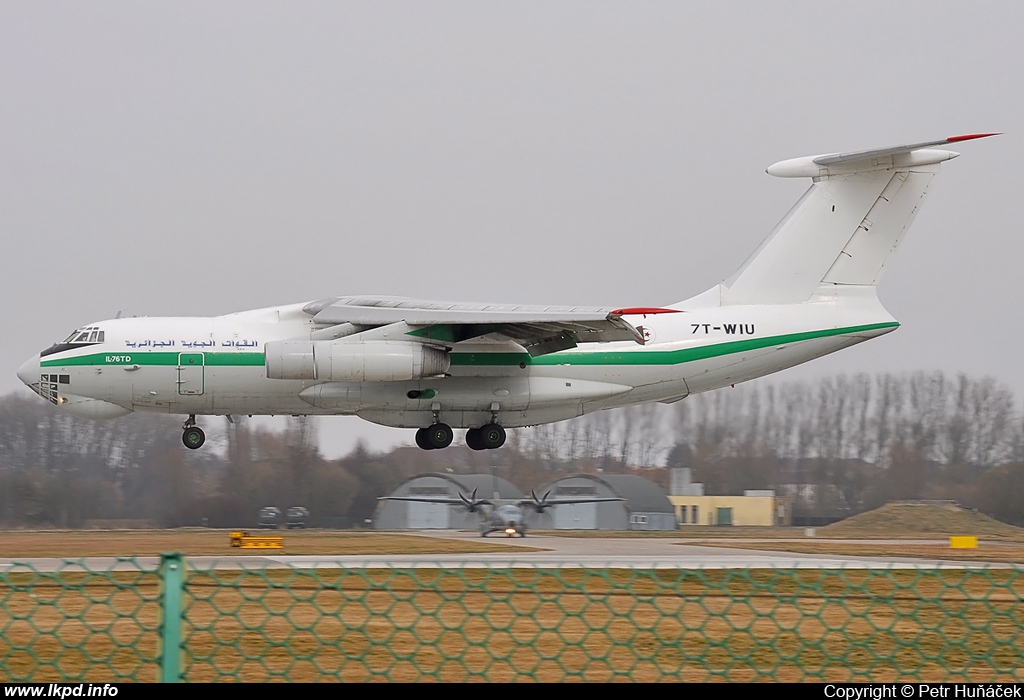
[192, 436]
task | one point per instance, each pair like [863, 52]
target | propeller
[472, 504]
[540, 504]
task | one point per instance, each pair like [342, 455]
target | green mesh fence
[80, 622]
[149, 619]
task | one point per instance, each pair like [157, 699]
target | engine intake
[349, 361]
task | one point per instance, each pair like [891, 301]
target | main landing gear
[488, 437]
[192, 436]
[439, 435]
[436, 437]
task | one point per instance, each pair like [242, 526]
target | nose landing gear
[192, 436]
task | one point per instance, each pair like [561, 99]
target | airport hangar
[646, 507]
[410, 515]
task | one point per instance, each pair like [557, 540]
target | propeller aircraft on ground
[497, 515]
[807, 291]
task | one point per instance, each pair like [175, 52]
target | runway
[528, 552]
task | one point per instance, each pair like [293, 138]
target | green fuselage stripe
[158, 359]
[492, 359]
[655, 357]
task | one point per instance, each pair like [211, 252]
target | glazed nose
[29, 372]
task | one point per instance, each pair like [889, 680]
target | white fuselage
[217, 365]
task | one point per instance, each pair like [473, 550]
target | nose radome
[29, 372]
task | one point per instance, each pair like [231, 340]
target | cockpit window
[81, 338]
[85, 335]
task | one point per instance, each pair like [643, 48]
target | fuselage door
[191, 374]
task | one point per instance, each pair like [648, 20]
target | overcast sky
[199, 158]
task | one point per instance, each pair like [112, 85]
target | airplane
[808, 290]
[501, 516]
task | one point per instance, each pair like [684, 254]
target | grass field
[924, 519]
[202, 541]
[1002, 553]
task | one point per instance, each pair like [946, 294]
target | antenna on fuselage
[119, 312]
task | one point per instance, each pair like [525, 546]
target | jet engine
[348, 361]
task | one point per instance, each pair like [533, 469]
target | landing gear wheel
[473, 439]
[439, 436]
[421, 440]
[492, 436]
[193, 437]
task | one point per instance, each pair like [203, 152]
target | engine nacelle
[366, 361]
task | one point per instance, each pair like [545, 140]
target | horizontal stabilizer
[880, 152]
[908, 155]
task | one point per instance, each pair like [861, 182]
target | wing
[471, 502]
[424, 499]
[539, 329]
[544, 503]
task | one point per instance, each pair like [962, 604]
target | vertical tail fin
[843, 229]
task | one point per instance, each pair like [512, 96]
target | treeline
[835, 447]
[949, 420]
[61, 471]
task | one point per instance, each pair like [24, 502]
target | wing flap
[542, 328]
[379, 311]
